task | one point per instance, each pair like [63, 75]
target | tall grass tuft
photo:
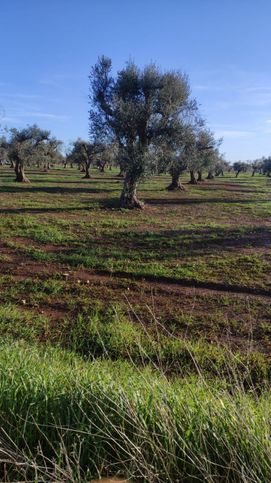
[67, 419]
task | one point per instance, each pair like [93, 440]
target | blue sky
[48, 47]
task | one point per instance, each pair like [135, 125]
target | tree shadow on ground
[54, 189]
[18, 211]
[191, 201]
[172, 244]
[80, 181]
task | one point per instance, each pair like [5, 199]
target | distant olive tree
[183, 148]
[141, 110]
[24, 146]
[3, 149]
[47, 153]
[240, 167]
[85, 154]
[107, 156]
[218, 166]
[202, 155]
[257, 166]
[266, 169]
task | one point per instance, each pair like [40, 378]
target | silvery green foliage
[140, 108]
[3, 148]
[24, 144]
[205, 150]
[47, 152]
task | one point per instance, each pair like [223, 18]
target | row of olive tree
[261, 166]
[151, 118]
[87, 154]
[23, 147]
[154, 121]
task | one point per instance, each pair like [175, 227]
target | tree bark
[121, 174]
[87, 175]
[20, 174]
[200, 176]
[175, 184]
[128, 197]
[210, 175]
[193, 179]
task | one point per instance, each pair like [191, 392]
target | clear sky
[48, 47]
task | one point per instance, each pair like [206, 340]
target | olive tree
[180, 155]
[240, 167]
[140, 109]
[84, 154]
[3, 149]
[203, 154]
[47, 153]
[107, 156]
[266, 169]
[23, 146]
[257, 166]
[218, 166]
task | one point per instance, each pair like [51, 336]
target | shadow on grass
[191, 201]
[54, 189]
[11, 211]
[90, 204]
[170, 245]
[80, 181]
[191, 283]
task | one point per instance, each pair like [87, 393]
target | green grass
[111, 336]
[18, 323]
[82, 419]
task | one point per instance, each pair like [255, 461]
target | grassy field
[142, 337]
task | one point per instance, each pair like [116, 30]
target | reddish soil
[146, 299]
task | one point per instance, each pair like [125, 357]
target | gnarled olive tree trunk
[200, 178]
[128, 198]
[102, 167]
[19, 172]
[175, 181]
[193, 179]
[210, 175]
[87, 171]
